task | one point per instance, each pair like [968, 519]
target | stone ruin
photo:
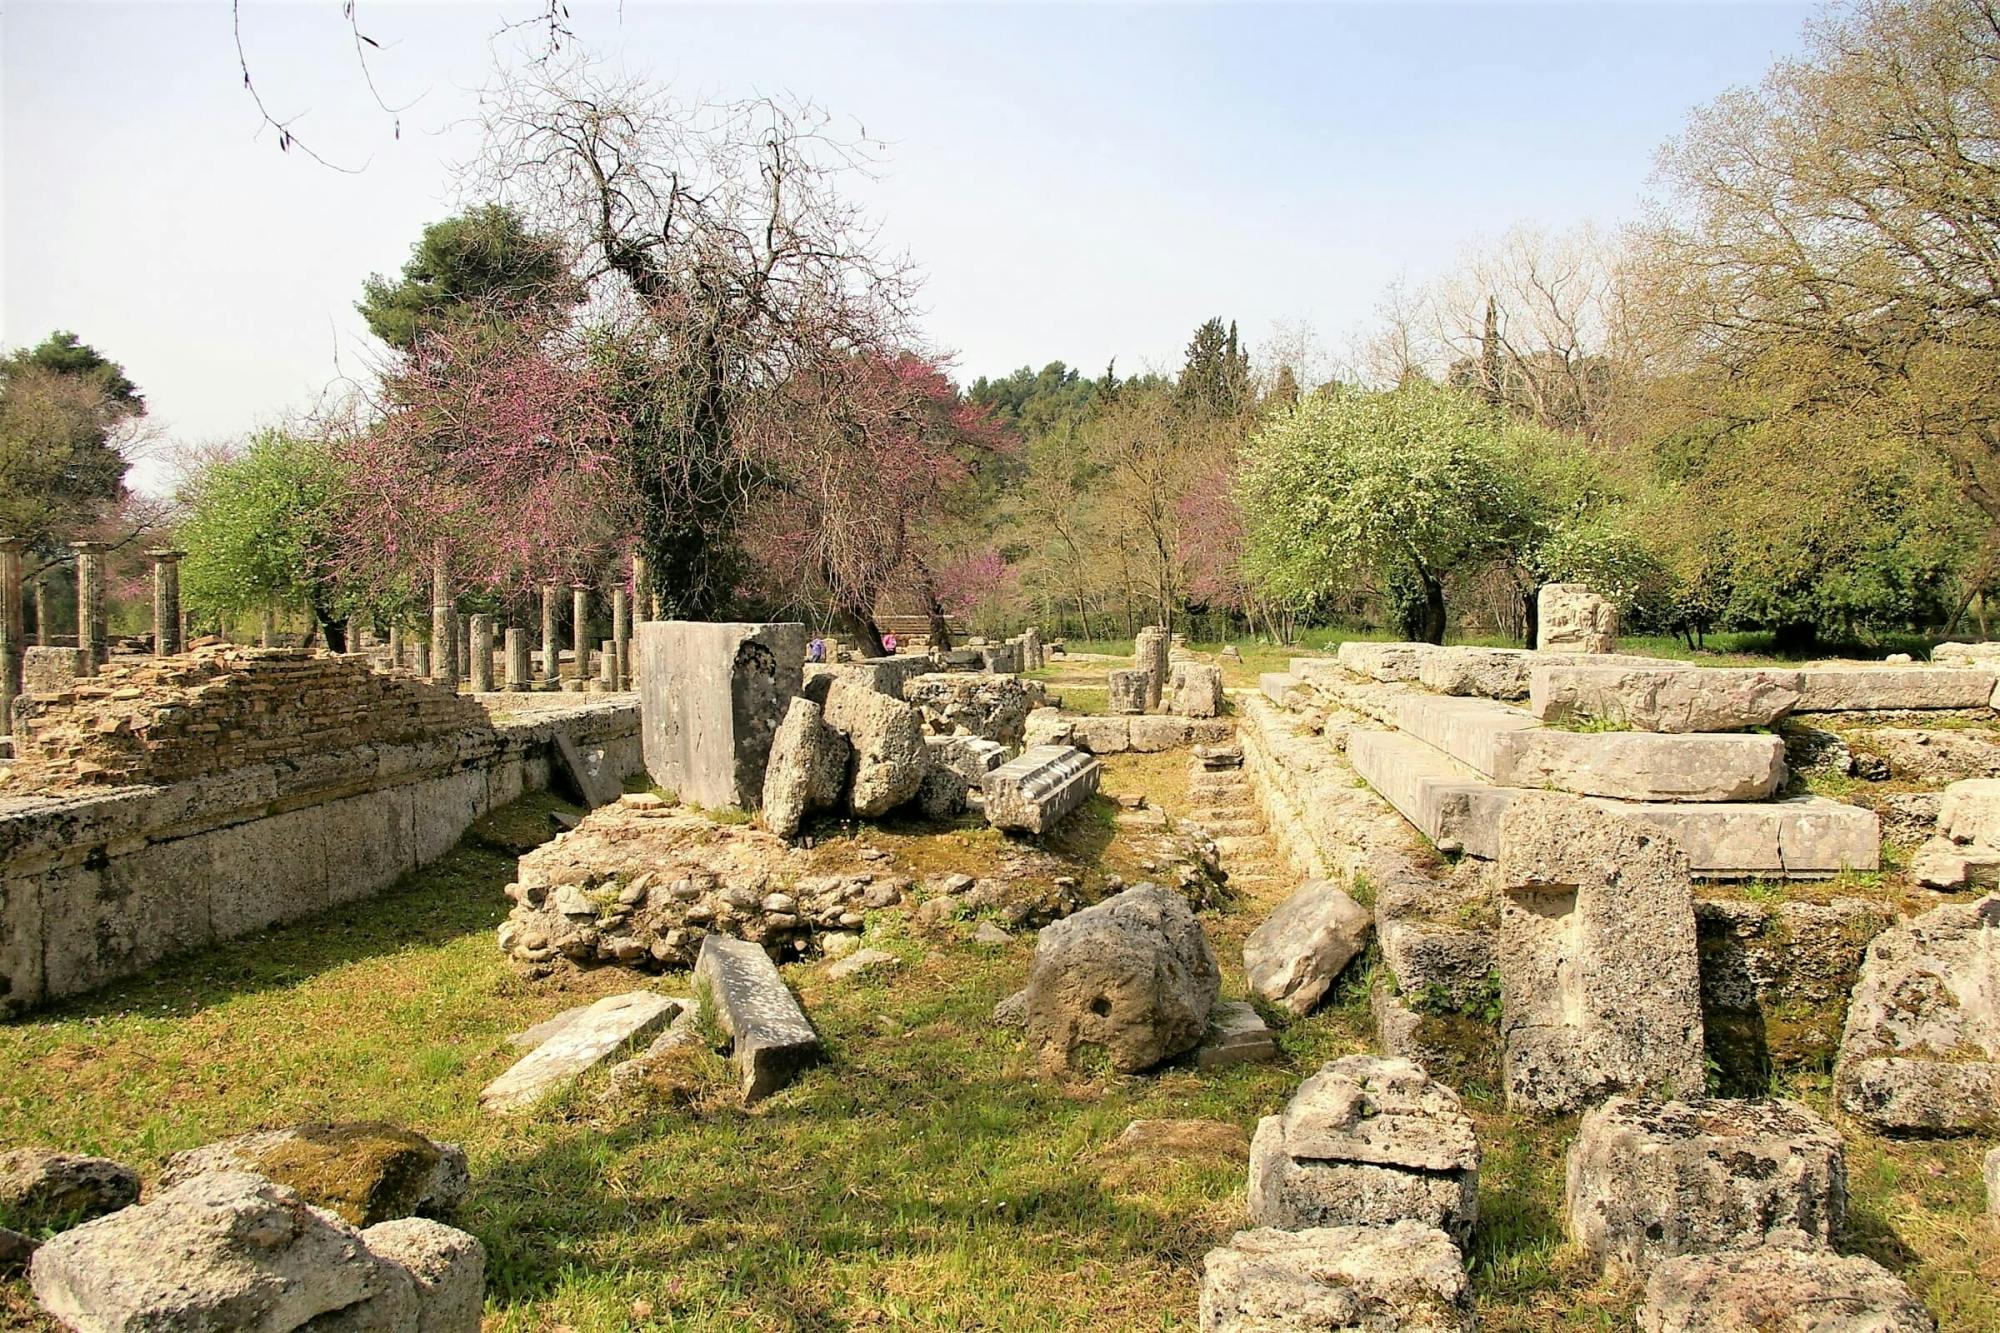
[1571, 618]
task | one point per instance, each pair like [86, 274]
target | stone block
[1470, 731]
[1837, 688]
[1293, 957]
[711, 697]
[1642, 766]
[1151, 735]
[1236, 1036]
[586, 775]
[1664, 699]
[806, 769]
[138, 909]
[1036, 790]
[268, 871]
[887, 738]
[1405, 1278]
[445, 808]
[1570, 618]
[1921, 1049]
[971, 757]
[447, 1265]
[1099, 735]
[1130, 689]
[1444, 800]
[1278, 686]
[1383, 661]
[1195, 690]
[1797, 837]
[42, 1189]
[605, 1029]
[1928, 754]
[1599, 976]
[1649, 1180]
[1492, 673]
[771, 1040]
[1779, 1289]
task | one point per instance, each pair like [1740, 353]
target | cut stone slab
[1921, 1051]
[1665, 699]
[1467, 730]
[1195, 690]
[1571, 618]
[1649, 1180]
[225, 1251]
[1383, 661]
[601, 1031]
[1278, 686]
[1835, 688]
[1961, 654]
[1039, 788]
[971, 757]
[770, 1039]
[1406, 1278]
[1237, 1035]
[365, 1172]
[806, 770]
[859, 962]
[1778, 1289]
[1599, 975]
[1445, 800]
[584, 772]
[529, 1038]
[41, 1188]
[1492, 673]
[1295, 955]
[1367, 1141]
[1642, 766]
[711, 697]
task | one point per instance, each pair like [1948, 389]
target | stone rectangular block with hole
[1036, 790]
[711, 697]
[769, 1035]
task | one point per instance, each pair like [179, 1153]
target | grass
[926, 1177]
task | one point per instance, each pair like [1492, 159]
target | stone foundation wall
[100, 884]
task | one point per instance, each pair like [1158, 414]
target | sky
[1076, 182]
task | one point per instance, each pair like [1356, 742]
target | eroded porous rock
[1778, 1289]
[807, 768]
[974, 703]
[943, 793]
[1921, 1051]
[1293, 958]
[42, 1188]
[1599, 978]
[1650, 1180]
[1664, 699]
[229, 1251]
[1492, 673]
[1195, 690]
[1367, 1141]
[890, 758]
[1406, 1278]
[1571, 618]
[1047, 726]
[1133, 976]
[446, 1266]
[366, 1171]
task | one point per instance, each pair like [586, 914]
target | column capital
[166, 553]
[90, 548]
[13, 545]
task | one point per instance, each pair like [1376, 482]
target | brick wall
[218, 708]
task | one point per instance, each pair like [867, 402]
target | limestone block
[973, 704]
[226, 1251]
[711, 697]
[1969, 812]
[1642, 766]
[447, 1265]
[1797, 837]
[1406, 1278]
[1100, 735]
[1294, 955]
[1382, 661]
[1278, 686]
[585, 773]
[971, 757]
[1236, 1036]
[806, 770]
[1470, 731]
[1493, 673]
[42, 1188]
[1195, 690]
[50, 671]
[1038, 789]
[887, 736]
[1600, 983]
[1133, 975]
[363, 1171]
[1649, 1180]
[1924, 754]
[1151, 735]
[771, 1040]
[1047, 726]
[1570, 618]
[1693, 699]
[1966, 654]
[1128, 690]
[1444, 800]
[1836, 688]
[1921, 1050]
[1779, 1289]
[605, 1029]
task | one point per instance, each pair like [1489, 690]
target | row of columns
[92, 635]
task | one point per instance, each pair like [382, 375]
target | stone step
[1278, 686]
[1244, 845]
[1227, 827]
[1797, 837]
[1838, 688]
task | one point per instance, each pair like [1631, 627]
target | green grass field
[926, 1177]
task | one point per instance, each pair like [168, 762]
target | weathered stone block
[1570, 618]
[771, 1040]
[1293, 957]
[1195, 690]
[1641, 766]
[971, 757]
[49, 671]
[1129, 690]
[806, 770]
[1665, 699]
[1036, 790]
[711, 697]
[1447, 804]
[1493, 673]
[447, 1265]
[1236, 1036]
[1779, 1289]
[1406, 1278]
[1650, 1180]
[1383, 661]
[606, 1028]
[366, 1171]
[41, 1188]
[1600, 983]
[887, 736]
[1871, 689]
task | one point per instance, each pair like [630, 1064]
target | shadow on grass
[456, 895]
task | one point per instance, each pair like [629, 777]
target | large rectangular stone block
[1495, 673]
[1449, 805]
[1642, 766]
[770, 1037]
[1838, 688]
[1034, 791]
[1801, 837]
[710, 699]
[1383, 661]
[1469, 730]
[1667, 699]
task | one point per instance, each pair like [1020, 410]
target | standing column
[481, 674]
[642, 587]
[463, 653]
[269, 636]
[43, 639]
[167, 639]
[518, 676]
[579, 599]
[420, 659]
[395, 646]
[621, 639]
[551, 667]
[90, 635]
[12, 629]
[444, 628]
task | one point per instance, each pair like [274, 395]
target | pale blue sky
[1077, 182]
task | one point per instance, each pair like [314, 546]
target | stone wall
[97, 884]
[173, 719]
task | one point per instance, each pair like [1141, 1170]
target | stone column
[444, 629]
[420, 658]
[518, 675]
[395, 646]
[481, 656]
[463, 653]
[167, 638]
[621, 639]
[268, 635]
[642, 587]
[43, 638]
[90, 634]
[607, 664]
[12, 631]
[579, 599]
[551, 662]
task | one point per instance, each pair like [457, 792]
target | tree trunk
[1431, 622]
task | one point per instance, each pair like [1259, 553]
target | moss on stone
[367, 1171]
